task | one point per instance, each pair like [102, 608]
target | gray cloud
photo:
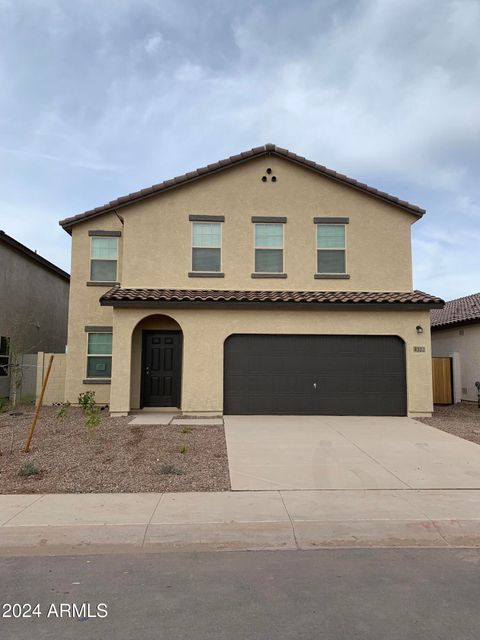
[101, 98]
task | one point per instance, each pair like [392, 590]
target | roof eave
[33, 256]
[393, 306]
[222, 165]
[454, 324]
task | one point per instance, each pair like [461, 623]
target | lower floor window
[4, 356]
[99, 355]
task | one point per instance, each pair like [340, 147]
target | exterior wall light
[419, 329]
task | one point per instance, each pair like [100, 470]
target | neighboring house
[456, 334]
[261, 284]
[33, 312]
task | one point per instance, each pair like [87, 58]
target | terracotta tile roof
[121, 296]
[459, 311]
[221, 165]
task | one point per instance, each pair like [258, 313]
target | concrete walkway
[36, 524]
[346, 452]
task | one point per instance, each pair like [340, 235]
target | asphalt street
[337, 594]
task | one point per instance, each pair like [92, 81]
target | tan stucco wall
[155, 251]
[158, 232]
[446, 342]
[84, 307]
[204, 333]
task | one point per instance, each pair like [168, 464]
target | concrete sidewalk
[64, 523]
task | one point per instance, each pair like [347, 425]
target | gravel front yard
[118, 457]
[461, 420]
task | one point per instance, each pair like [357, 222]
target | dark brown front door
[161, 368]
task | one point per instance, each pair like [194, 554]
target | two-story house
[33, 314]
[261, 284]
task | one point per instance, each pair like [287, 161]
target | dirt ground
[461, 420]
[117, 457]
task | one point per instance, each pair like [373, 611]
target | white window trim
[281, 224]
[99, 355]
[331, 273]
[106, 259]
[220, 224]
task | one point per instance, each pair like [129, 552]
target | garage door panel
[308, 375]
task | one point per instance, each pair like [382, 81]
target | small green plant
[28, 469]
[92, 421]
[186, 430]
[90, 410]
[3, 404]
[183, 450]
[62, 412]
[169, 470]
[86, 401]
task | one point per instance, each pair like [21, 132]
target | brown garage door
[314, 375]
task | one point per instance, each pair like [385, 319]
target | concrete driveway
[340, 452]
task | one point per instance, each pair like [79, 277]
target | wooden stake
[38, 407]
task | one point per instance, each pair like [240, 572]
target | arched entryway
[156, 373]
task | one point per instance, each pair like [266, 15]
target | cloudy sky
[102, 97]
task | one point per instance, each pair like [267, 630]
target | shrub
[92, 421]
[183, 450]
[28, 469]
[3, 404]
[87, 401]
[169, 470]
[186, 430]
[90, 410]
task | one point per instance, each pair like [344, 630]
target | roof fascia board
[393, 306]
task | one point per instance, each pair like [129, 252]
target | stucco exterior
[203, 340]
[33, 306]
[155, 252]
[463, 344]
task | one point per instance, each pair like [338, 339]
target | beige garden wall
[204, 332]
[55, 389]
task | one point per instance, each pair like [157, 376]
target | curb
[236, 536]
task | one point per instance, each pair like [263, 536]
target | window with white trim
[99, 355]
[268, 247]
[331, 248]
[4, 356]
[103, 259]
[206, 247]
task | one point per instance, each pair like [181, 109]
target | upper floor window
[268, 248]
[104, 257]
[99, 355]
[331, 248]
[206, 247]
[4, 356]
